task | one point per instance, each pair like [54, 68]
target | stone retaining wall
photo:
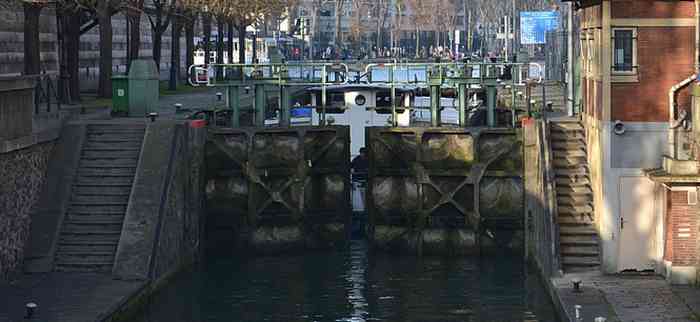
[23, 173]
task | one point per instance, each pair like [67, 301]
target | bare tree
[421, 13]
[134, 10]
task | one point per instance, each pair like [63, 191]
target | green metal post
[394, 116]
[234, 103]
[285, 106]
[463, 104]
[435, 105]
[323, 96]
[259, 105]
[491, 93]
[514, 114]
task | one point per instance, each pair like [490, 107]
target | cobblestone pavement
[64, 297]
[628, 298]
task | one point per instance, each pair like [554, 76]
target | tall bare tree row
[76, 17]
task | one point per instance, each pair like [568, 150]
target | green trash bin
[120, 95]
[143, 87]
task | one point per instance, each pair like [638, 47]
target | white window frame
[635, 67]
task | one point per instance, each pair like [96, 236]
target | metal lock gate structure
[282, 187]
[444, 190]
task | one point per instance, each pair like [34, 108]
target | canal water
[353, 285]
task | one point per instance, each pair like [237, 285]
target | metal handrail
[277, 72]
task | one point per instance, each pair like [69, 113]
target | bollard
[153, 116]
[219, 96]
[31, 307]
[577, 309]
[577, 285]
[177, 106]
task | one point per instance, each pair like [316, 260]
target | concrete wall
[23, 173]
[16, 107]
[541, 231]
[162, 226]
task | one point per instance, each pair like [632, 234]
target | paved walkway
[64, 297]
[628, 299]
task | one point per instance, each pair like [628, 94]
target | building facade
[633, 53]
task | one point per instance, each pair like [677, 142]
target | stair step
[101, 190]
[567, 162]
[90, 233]
[70, 257]
[571, 137]
[113, 137]
[573, 251]
[86, 240]
[583, 219]
[96, 209]
[572, 181]
[115, 129]
[109, 163]
[87, 247]
[579, 171]
[565, 145]
[574, 210]
[113, 148]
[112, 144]
[99, 200]
[566, 191]
[577, 231]
[570, 153]
[93, 226]
[575, 200]
[567, 125]
[104, 181]
[107, 172]
[587, 261]
[102, 155]
[103, 267]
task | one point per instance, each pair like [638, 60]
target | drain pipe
[672, 92]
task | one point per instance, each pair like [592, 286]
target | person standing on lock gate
[359, 167]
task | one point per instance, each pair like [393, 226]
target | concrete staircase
[578, 238]
[99, 197]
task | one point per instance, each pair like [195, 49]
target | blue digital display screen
[534, 26]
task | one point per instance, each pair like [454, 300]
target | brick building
[638, 60]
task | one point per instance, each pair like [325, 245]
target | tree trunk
[72, 54]
[104, 17]
[338, 16]
[134, 36]
[32, 48]
[219, 41]
[255, 48]
[219, 47]
[241, 44]
[206, 25]
[417, 43]
[174, 53]
[189, 40]
[229, 43]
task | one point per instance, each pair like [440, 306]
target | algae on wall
[23, 173]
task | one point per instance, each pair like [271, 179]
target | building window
[624, 60]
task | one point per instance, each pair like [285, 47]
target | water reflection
[355, 285]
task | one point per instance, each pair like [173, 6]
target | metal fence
[555, 55]
[46, 94]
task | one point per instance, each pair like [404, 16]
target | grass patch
[181, 89]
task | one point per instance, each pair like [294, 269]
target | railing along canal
[459, 76]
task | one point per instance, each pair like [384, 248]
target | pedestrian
[359, 167]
